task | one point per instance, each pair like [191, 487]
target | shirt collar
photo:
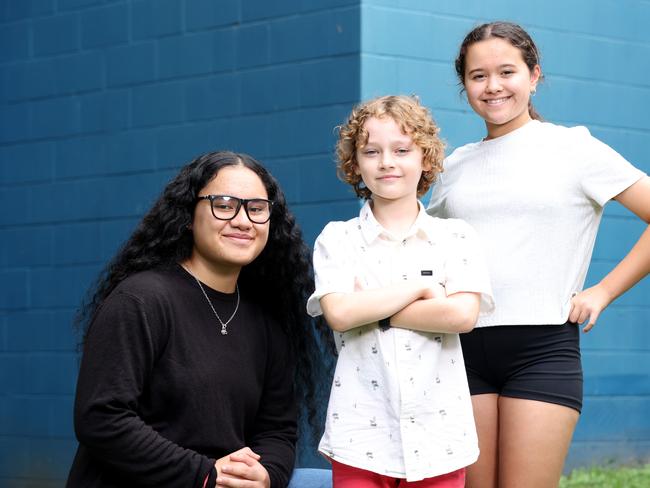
[371, 229]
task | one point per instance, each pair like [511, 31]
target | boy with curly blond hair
[397, 287]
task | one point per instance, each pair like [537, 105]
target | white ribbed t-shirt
[535, 197]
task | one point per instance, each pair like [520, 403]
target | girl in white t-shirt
[397, 286]
[534, 192]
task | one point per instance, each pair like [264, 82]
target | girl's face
[498, 85]
[229, 244]
[390, 163]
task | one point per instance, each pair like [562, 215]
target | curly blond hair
[414, 120]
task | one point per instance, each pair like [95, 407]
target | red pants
[345, 476]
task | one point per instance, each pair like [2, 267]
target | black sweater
[162, 393]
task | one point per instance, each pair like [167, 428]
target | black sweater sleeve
[275, 429]
[119, 355]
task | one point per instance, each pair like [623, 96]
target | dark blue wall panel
[101, 101]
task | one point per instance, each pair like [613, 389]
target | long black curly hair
[281, 277]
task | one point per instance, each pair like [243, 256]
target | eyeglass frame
[241, 202]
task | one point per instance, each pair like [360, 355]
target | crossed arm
[410, 306]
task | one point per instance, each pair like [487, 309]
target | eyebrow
[392, 145]
[507, 65]
[404, 140]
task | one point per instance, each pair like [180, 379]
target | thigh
[483, 473]
[344, 476]
[534, 438]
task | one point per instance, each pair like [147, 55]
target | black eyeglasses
[225, 207]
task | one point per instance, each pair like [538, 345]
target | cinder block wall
[102, 100]
[100, 103]
[596, 58]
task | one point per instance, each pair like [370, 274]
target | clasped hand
[241, 469]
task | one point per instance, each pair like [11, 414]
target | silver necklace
[224, 325]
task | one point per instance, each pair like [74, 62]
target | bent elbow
[85, 434]
[336, 312]
[467, 321]
[336, 326]
[466, 308]
[466, 326]
[336, 321]
[464, 329]
[95, 426]
[87, 425]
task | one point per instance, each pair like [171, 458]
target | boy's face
[390, 163]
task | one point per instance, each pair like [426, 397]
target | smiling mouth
[497, 101]
[239, 237]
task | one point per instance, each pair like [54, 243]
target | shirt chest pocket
[385, 266]
[429, 272]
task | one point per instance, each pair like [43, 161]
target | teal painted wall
[596, 58]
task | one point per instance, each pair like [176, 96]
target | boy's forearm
[456, 313]
[345, 311]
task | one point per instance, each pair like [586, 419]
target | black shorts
[534, 362]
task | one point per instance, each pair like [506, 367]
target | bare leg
[483, 473]
[534, 439]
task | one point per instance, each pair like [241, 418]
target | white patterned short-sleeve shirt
[399, 404]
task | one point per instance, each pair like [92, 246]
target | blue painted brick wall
[596, 58]
[101, 101]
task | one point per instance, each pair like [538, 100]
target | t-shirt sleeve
[604, 172]
[465, 266]
[332, 265]
[436, 206]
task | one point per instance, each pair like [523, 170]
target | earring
[533, 92]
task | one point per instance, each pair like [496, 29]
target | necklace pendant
[224, 331]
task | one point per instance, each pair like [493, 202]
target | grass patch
[608, 477]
